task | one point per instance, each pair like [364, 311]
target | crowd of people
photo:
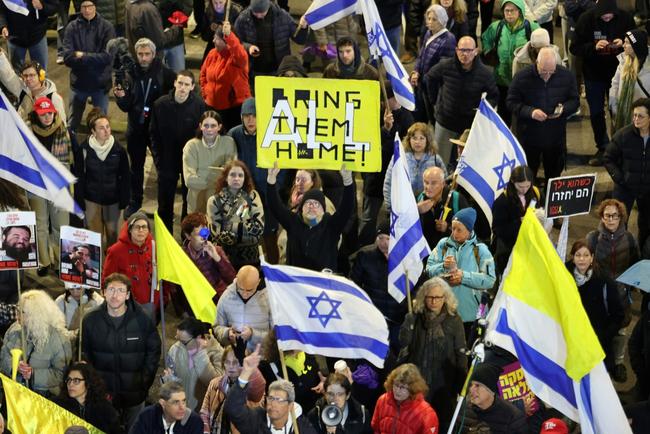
[98, 353]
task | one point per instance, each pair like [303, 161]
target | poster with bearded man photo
[18, 248]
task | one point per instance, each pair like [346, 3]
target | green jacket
[509, 40]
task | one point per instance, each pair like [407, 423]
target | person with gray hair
[147, 81]
[433, 338]
[169, 415]
[281, 412]
[541, 97]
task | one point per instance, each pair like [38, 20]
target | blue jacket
[444, 45]
[476, 276]
[92, 71]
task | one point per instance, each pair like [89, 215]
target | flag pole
[81, 320]
[452, 188]
[285, 374]
[225, 18]
[23, 342]
[162, 320]
[408, 292]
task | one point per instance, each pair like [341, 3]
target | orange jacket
[224, 75]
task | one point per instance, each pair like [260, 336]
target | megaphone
[331, 415]
[15, 359]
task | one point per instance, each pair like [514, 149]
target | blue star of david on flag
[324, 318]
[500, 170]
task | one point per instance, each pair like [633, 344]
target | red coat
[135, 262]
[414, 416]
[224, 75]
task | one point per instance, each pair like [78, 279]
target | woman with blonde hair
[456, 10]
[420, 153]
[402, 409]
[47, 344]
[632, 78]
[431, 338]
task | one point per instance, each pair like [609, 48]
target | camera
[123, 63]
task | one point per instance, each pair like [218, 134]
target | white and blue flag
[490, 154]
[25, 161]
[321, 313]
[407, 246]
[324, 12]
[17, 6]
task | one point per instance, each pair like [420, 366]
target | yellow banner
[30, 413]
[314, 123]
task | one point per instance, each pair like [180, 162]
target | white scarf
[101, 150]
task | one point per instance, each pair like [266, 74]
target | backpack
[491, 57]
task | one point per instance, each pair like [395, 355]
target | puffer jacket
[413, 416]
[284, 28]
[476, 276]
[509, 40]
[127, 258]
[356, 422]
[224, 75]
[502, 417]
[92, 71]
[614, 252]
[48, 364]
[103, 182]
[112, 10]
[540, 11]
[416, 169]
[442, 46]
[125, 356]
[528, 91]
[627, 159]
[27, 30]
[617, 83]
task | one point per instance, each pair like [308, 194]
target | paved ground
[579, 139]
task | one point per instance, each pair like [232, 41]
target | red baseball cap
[554, 426]
[44, 105]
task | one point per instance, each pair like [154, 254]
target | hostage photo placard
[18, 246]
[81, 252]
[313, 123]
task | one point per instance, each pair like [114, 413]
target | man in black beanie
[486, 406]
[598, 40]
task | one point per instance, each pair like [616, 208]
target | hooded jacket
[125, 355]
[476, 276]
[413, 416]
[360, 70]
[135, 262]
[600, 65]
[92, 71]
[224, 75]
[509, 40]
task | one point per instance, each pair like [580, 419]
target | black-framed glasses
[611, 216]
[434, 297]
[73, 380]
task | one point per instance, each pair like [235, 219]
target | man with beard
[16, 244]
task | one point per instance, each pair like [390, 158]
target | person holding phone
[541, 97]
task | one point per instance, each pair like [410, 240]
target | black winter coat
[315, 247]
[127, 356]
[456, 93]
[502, 417]
[528, 91]
[149, 421]
[627, 159]
[172, 125]
[357, 422]
[162, 81]
[92, 71]
[599, 65]
[27, 30]
[370, 272]
[639, 351]
[284, 28]
[103, 182]
[390, 13]
[100, 414]
[428, 219]
[253, 420]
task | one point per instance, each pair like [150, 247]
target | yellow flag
[175, 266]
[539, 279]
[30, 413]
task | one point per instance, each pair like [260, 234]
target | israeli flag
[321, 313]
[17, 6]
[324, 12]
[26, 163]
[407, 246]
[490, 154]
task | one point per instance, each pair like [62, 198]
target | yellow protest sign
[313, 123]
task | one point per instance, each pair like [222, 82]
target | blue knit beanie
[467, 216]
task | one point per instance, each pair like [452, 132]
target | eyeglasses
[312, 204]
[277, 399]
[465, 50]
[400, 386]
[72, 380]
[611, 216]
[434, 297]
[113, 290]
[142, 227]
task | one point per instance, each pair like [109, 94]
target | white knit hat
[441, 14]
